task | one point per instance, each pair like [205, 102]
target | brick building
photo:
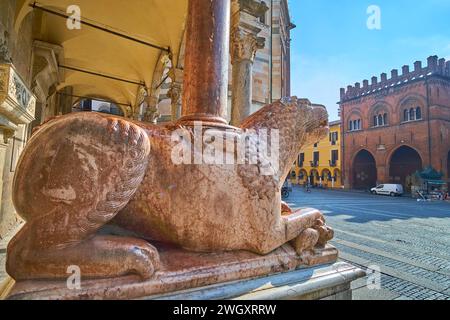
[395, 126]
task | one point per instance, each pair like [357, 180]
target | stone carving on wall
[3, 81]
[132, 190]
[18, 90]
[16, 99]
[255, 8]
[5, 56]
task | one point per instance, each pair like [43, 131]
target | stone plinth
[325, 282]
[182, 270]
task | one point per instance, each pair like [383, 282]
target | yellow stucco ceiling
[160, 22]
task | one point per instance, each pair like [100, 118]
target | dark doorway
[364, 170]
[404, 162]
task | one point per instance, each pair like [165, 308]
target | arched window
[418, 113]
[354, 125]
[406, 115]
[380, 120]
[412, 114]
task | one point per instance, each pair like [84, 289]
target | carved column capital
[245, 44]
[174, 92]
[151, 113]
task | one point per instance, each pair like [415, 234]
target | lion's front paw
[305, 241]
[140, 257]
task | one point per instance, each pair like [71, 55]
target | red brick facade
[394, 126]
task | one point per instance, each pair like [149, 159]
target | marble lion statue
[83, 171]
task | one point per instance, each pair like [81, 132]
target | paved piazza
[408, 240]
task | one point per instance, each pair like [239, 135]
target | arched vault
[159, 22]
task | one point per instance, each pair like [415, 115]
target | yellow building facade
[320, 163]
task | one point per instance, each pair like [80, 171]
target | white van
[388, 189]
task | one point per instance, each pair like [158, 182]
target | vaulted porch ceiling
[159, 22]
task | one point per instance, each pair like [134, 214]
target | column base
[206, 121]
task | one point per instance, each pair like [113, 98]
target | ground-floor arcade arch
[314, 177]
[364, 170]
[337, 176]
[404, 162]
[326, 178]
[302, 176]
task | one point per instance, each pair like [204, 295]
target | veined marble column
[206, 61]
[244, 44]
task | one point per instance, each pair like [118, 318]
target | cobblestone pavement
[408, 240]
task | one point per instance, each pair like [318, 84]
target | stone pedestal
[326, 282]
[183, 270]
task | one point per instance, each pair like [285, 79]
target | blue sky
[332, 46]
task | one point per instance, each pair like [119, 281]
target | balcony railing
[314, 164]
[333, 163]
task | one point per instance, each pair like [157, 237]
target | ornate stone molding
[245, 44]
[17, 102]
[4, 50]
[46, 73]
[252, 7]
[7, 127]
